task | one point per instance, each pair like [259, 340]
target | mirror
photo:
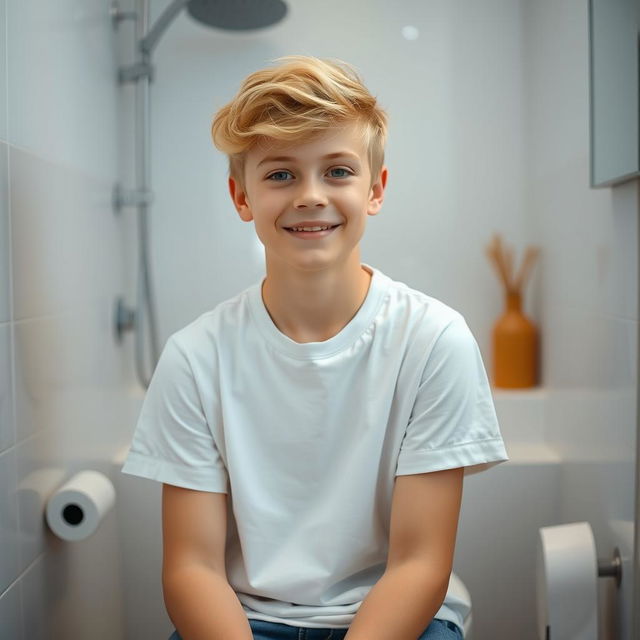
[614, 27]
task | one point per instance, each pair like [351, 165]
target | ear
[239, 198]
[376, 195]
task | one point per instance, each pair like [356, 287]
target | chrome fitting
[134, 72]
[122, 198]
[124, 319]
[118, 15]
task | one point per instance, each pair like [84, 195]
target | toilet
[458, 591]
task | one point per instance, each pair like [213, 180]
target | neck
[313, 306]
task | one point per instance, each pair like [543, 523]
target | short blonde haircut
[294, 102]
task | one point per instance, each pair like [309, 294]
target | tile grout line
[14, 583]
[6, 68]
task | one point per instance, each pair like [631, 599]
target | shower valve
[124, 319]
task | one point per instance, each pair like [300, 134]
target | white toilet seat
[458, 590]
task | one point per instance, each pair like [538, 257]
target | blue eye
[278, 173]
[280, 176]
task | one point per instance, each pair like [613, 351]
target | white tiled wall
[63, 405]
[518, 165]
[454, 153]
[589, 280]
[489, 132]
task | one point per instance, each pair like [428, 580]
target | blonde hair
[295, 102]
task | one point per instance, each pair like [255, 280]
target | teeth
[309, 228]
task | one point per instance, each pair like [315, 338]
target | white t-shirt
[307, 439]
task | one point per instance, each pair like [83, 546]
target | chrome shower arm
[148, 43]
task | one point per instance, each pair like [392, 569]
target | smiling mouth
[309, 229]
[312, 232]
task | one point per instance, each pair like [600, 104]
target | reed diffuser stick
[529, 259]
[503, 260]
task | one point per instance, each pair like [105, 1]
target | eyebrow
[338, 154]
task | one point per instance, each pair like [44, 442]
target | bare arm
[424, 522]
[199, 600]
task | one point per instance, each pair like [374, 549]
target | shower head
[233, 15]
[237, 15]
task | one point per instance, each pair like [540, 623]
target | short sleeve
[453, 422]
[172, 442]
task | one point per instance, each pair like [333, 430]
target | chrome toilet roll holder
[611, 568]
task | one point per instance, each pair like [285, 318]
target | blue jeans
[262, 630]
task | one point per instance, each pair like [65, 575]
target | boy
[312, 433]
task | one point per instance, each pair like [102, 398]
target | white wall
[456, 161]
[63, 379]
[455, 154]
[589, 280]
[488, 132]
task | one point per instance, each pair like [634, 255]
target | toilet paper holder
[611, 568]
[567, 572]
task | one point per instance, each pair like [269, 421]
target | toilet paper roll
[567, 583]
[76, 509]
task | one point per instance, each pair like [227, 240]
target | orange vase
[515, 347]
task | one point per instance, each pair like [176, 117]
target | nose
[310, 195]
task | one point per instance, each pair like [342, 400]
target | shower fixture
[230, 15]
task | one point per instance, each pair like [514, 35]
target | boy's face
[290, 186]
